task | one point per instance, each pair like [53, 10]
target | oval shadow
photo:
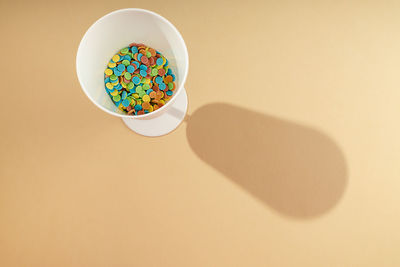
[294, 169]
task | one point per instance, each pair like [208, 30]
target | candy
[162, 86]
[143, 73]
[130, 69]
[124, 50]
[117, 98]
[126, 102]
[159, 61]
[146, 105]
[125, 94]
[139, 80]
[136, 80]
[146, 98]
[127, 75]
[161, 72]
[125, 62]
[116, 58]
[159, 79]
[108, 72]
[121, 68]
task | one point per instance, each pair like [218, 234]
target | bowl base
[163, 124]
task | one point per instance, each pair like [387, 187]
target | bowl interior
[117, 30]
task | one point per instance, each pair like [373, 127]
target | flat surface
[289, 155]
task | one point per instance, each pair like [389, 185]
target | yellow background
[289, 155]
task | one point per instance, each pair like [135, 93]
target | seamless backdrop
[289, 155]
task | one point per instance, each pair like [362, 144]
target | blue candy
[162, 86]
[107, 80]
[136, 80]
[146, 111]
[138, 107]
[149, 91]
[121, 68]
[143, 73]
[126, 102]
[134, 49]
[130, 69]
[169, 92]
[159, 61]
[169, 72]
[143, 67]
[118, 73]
[173, 77]
[136, 63]
[139, 56]
[124, 94]
[127, 57]
[159, 79]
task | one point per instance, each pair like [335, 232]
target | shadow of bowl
[294, 169]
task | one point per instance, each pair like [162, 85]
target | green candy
[117, 98]
[139, 89]
[154, 72]
[141, 93]
[124, 50]
[170, 86]
[125, 62]
[127, 75]
[129, 86]
[146, 86]
[113, 77]
[148, 54]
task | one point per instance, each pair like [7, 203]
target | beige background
[289, 155]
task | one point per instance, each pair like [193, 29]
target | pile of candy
[139, 80]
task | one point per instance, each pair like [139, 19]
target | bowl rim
[178, 90]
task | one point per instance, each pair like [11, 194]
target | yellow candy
[150, 108]
[162, 102]
[138, 102]
[112, 65]
[147, 81]
[109, 86]
[146, 98]
[123, 85]
[115, 58]
[108, 72]
[135, 95]
[114, 93]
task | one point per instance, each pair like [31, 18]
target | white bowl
[117, 30]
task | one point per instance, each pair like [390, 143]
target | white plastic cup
[117, 30]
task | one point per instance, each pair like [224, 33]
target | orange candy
[168, 79]
[152, 94]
